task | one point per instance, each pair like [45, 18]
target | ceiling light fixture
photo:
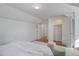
[36, 7]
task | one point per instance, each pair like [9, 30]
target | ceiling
[74, 4]
[46, 10]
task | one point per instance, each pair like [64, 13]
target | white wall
[42, 30]
[50, 30]
[66, 29]
[16, 24]
[66, 32]
[38, 31]
[76, 26]
[16, 30]
[76, 22]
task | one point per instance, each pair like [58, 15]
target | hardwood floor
[45, 39]
[59, 43]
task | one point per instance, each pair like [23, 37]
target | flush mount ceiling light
[36, 7]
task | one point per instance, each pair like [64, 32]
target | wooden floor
[45, 39]
[59, 43]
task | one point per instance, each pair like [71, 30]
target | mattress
[23, 48]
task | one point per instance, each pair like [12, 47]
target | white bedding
[13, 50]
[41, 43]
[23, 48]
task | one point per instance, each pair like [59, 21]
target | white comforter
[23, 48]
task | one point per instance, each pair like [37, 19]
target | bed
[24, 48]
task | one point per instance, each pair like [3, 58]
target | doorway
[58, 34]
